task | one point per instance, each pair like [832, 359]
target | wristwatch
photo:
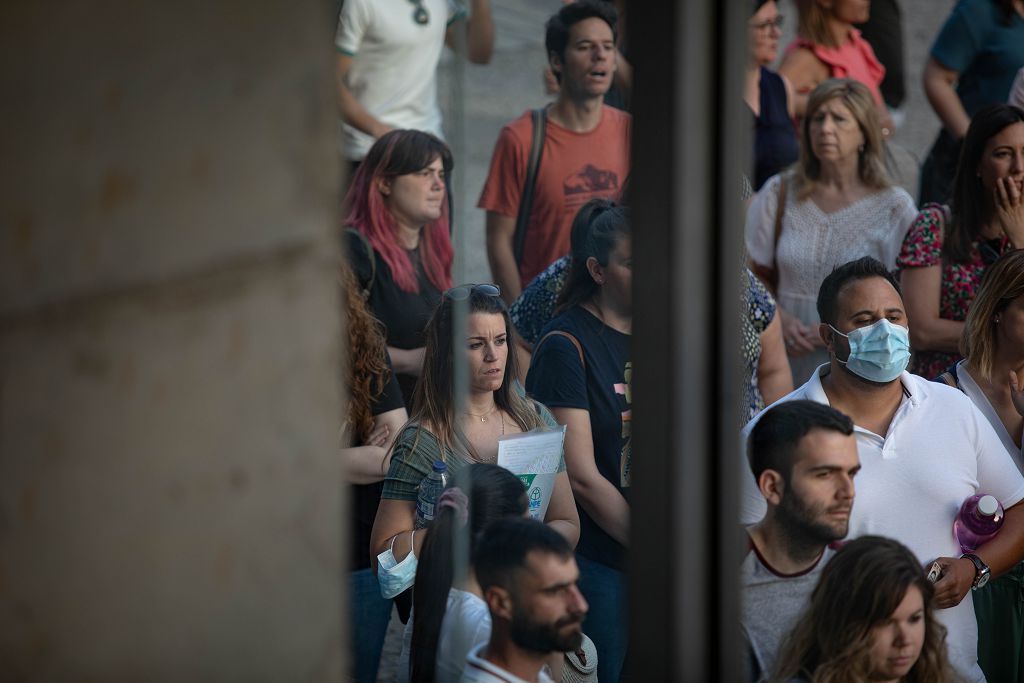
[981, 571]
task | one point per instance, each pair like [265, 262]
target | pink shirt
[853, 59]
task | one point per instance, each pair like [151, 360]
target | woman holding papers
[464, 434]
[581, 369]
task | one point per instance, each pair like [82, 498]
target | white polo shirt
[939, 450]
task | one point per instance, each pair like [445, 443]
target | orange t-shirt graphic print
[574, 168]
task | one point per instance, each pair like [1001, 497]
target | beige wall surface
[171, 500]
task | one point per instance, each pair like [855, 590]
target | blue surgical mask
[392, 575]
[878, 352]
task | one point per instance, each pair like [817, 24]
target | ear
[827, 336]
[499, 602]
[384, 186]
[596, 270]
[555, 62]
[772, 486]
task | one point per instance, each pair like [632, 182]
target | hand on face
[1009, 203]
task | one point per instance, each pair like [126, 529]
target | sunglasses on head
[463, 292]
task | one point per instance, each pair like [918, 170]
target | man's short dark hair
[556, 35]
[774, 439]
[863, 268]
[502, 550]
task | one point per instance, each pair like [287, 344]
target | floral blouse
[760, 309]
[922, 248]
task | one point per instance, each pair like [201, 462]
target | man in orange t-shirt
[585, 153]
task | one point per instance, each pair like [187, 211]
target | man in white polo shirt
[923, 448]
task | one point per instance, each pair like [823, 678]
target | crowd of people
[883, 346]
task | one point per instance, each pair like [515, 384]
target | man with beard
[804, 457]
[528, 577]
[923, 446]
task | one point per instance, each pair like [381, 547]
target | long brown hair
[860, 587]
[857, 98]
[367, 371]
[971, 205]
[433, 399]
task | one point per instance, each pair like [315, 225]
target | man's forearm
[504, 270]
[1004, 551]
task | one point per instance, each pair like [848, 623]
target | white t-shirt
[466, 624]
[394, 67]
[479, 670]
[939, 450]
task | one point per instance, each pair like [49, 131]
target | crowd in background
[855, 298]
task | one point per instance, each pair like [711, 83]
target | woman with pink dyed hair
[398, 240]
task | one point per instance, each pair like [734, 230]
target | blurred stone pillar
[171, 499]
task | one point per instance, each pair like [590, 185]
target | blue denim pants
[605, 591]
[369, 615]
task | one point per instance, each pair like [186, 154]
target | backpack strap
[574, 340]
[539, 118]
[368, 285]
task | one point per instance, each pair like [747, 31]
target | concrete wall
[170, 495]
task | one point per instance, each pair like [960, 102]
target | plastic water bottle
[429, 491]
[979, 519]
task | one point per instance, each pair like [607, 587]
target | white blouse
[813, 243]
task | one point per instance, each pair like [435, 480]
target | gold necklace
[483, 418]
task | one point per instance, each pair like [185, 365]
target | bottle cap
[987, 505]
[440, 466]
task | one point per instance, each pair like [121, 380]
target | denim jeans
[369, 615]
[605, 591]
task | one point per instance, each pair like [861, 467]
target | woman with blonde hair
[992, 376]
[835, 206]
[870, 618]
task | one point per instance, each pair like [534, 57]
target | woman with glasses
[398, 240]
[768, 95]
[828, 46]
[462, 434]
[581, 369]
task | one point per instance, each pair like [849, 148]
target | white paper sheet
[534, 457]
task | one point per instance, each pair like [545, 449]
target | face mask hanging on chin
[879, 352]
[393, 576]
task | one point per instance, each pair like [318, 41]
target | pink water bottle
[979, 519]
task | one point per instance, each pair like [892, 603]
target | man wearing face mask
[923, 449]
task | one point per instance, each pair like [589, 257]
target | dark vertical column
[690, 145]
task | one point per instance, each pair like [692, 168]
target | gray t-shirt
[771, 603]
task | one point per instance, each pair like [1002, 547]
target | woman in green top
[439, 430]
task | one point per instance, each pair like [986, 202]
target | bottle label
[425, 510]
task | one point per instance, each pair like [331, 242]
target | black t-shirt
[366, 497]
[558, 380]
[404, 314]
